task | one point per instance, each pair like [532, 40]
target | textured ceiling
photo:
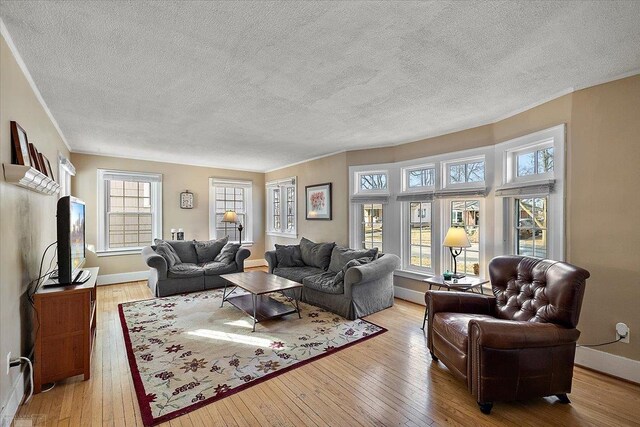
[258, 85]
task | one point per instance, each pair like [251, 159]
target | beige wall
[27, 219]
[603, 182]
[175, 179]
[331, 169]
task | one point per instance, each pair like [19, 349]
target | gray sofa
[194, 270]
[365, 289]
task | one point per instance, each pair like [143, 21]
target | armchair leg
[485, 407]
[563, 398]
[433, 356]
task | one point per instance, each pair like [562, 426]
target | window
[230, 195]
[372, 226]
[129, 210]
[466, 213]
[372, 182]
[531, 226]
[420, 234]
[535, 162]
[420, 178]
[282, 203]
[465, 173]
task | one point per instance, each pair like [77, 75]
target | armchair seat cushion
[455, 327]
[184, 270]
[214, 268]
[297, 274]
[324, 282]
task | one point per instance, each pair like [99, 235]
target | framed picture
[318, 201]
[186, 200]
[43, 165]
[49, 170]
[20, 147]
[33, 157]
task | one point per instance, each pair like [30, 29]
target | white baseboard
[255, 262]
[134, 276]
[608, 363]
[13, 403]
[409, 295]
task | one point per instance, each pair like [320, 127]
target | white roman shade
[534, 188]
[131, 176]
[466, 192]
[369, 199]
[66, 164]
[425, 196]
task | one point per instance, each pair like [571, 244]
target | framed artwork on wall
[33, 157]
[186, 200]
[318, 201]
[20, 147]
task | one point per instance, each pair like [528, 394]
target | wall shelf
[29, 178]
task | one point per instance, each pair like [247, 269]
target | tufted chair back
[537, 290]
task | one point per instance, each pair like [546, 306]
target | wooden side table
[462, 285]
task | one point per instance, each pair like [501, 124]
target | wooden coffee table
[257, 303]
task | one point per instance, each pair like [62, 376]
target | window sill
[280, 234]
[415, 275]
[118, 252]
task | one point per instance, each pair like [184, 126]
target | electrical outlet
[622, 330]
[8, 362]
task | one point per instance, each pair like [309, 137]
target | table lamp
[456, 238]
[232, 217]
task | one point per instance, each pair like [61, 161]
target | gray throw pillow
[316, 254]
[167, 252]
[228, 253]
[352, 263]
[289, 256]
[341, 256]
[208, 250]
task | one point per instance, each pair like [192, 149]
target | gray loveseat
[198, 265]
[367, 277]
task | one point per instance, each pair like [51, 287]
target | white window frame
[282, 185]
[446, 166]
[406, 246]
[485, 229]
[102, 203]
[511, 158]
[362, 191]
[247, 231]
[405, 179]
[65, 171]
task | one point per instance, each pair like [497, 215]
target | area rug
[186, 352]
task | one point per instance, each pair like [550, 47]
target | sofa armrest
[383, 266]
[459, 302]
[153, 260]
[272, 261]
[508, 334]
[241, 255]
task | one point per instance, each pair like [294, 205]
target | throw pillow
[228, 253]
[316, 254]
[289, 256]
[167, 252]
[352, 263]
[341, 256]
[207, 251]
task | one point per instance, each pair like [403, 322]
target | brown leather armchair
[521, 342]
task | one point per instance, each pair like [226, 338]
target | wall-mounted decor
[49, 169]
[186, 200]
[20, 151]
[318, 201]
[34, 158]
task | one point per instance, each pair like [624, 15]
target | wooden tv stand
[65, 323]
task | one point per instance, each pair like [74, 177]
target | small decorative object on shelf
[186, 200]
[180, 234]
[173, 233]
[30, 178]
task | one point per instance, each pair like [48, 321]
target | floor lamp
[455, 240]
[232, 217]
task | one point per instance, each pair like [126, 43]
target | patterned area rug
[185, 351]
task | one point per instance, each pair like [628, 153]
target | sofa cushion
[167, 252]
[184, 248]
[296, 273]
[289, 256]
[324, 282]
[208, 250]
[228, 253]
[214, 268]
[316, 254]
[184, 270]
[339, 276]
[341, 256]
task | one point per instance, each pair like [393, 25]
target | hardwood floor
[388, 380]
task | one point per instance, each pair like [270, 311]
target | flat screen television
[71, 244]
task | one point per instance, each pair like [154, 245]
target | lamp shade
[456, 238]
[230, 216]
